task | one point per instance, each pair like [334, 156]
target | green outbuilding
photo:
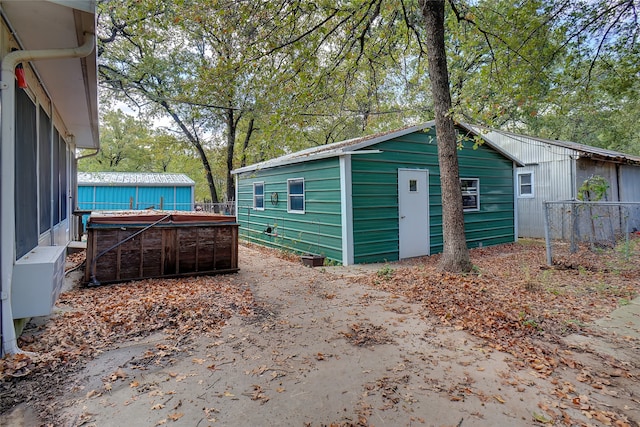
[375, 198]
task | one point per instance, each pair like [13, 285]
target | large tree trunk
[196, 143]
[243, 162]
[455, 257]
[231, 144]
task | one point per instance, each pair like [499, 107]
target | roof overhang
[357, 146]
[579, 150]
[71, 83]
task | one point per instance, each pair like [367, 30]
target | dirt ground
[322, 348]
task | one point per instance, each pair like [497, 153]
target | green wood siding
[316, 231]
[375, 195]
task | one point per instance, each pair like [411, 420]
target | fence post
[547, 237]
[573, 247]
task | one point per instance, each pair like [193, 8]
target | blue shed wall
[99, 198]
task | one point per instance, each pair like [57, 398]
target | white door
[413, 209]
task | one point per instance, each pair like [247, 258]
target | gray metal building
[555, 170]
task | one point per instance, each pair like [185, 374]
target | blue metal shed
[109, 191]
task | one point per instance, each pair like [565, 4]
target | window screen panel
[63, 179]
[44, 159]
[26, 185]
[295, 188]
[55, 209]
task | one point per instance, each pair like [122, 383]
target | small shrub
[385, 272]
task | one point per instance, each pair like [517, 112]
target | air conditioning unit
[37, 281]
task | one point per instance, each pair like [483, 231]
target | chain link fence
[223, 208]
[571, 226]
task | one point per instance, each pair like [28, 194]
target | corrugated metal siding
[112, 197]
[375, 195]
[629, 183]
[586, 168]
[553, 177]
[167, 198]
[317, 231]
[124, 197]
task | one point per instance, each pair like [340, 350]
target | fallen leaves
[366, 334]
[258, 394]
[92, 320]
[519, 305]
[495, 306]
[175, 416]
[95, 318]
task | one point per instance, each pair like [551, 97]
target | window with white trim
[470, 194]
[525, 184]
[295, 195]
[258, 196]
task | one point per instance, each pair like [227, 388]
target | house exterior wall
[42, 125]
[43, 208]
[553, 169]
[375, 195]
[316, 231]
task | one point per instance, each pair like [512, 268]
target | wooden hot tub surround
[131, 246]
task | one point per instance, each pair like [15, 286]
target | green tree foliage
[123, 145]
[128, 144]
[556, 69]
[245, 81]
[245, 74]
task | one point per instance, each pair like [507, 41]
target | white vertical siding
[629, 183]
[553, 169]
[586, 168]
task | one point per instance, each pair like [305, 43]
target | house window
[26, 175]
[413, 185]
[525, 184]
[258, 196]
[470, 194]
[295, 195]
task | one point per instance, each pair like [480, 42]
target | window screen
[62, 171]
[44, 158]
[295, 190]
[470, 194]
[26, 185]
[525, 184]
[55, 210]
[258, 195]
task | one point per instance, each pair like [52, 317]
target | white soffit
[72, 82]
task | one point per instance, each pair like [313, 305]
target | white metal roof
[580, 149]
[72, 83]
[350, 145]
[138, 179]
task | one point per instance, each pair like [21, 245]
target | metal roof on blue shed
[144, 179]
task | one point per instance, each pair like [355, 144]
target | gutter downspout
[7, 159]
[74, 186]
